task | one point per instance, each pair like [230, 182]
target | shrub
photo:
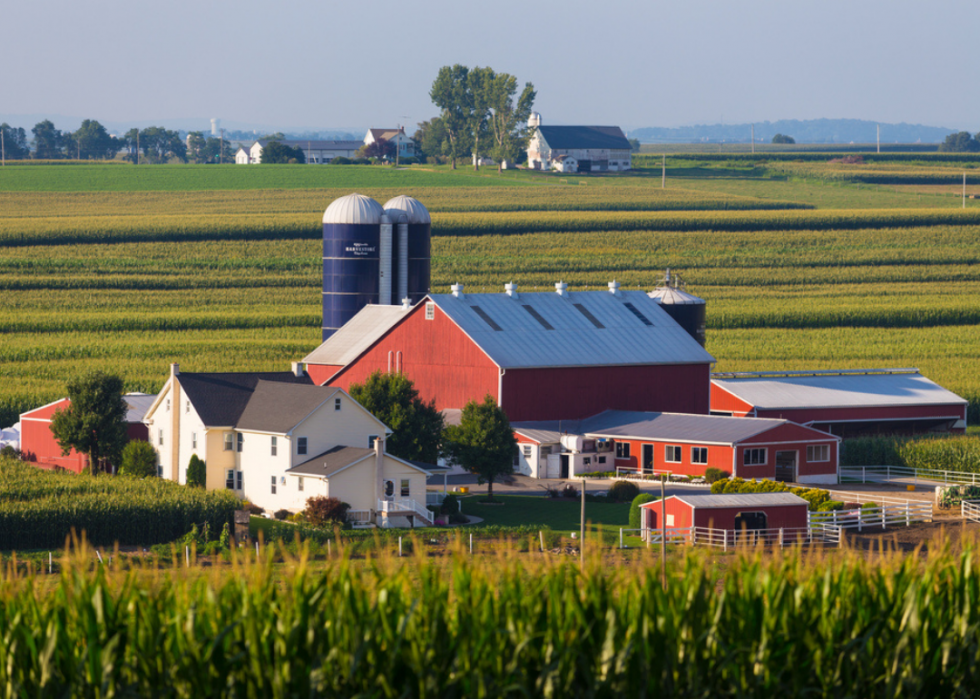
[322, 511]
[713, 475]
[623, 491]
[341, 160]
[640, 499]
[252, 508]
[8, 452]
[569, 491]
[139, 460]
[197, 472]
[870, 506]
[282, 514]
[830, 505]
[450, 505]
[597, 474]
[458, 518]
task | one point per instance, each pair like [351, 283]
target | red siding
[572, 393]
[789, 437]
[724, 402]
[320, 374]
[777, 516]
[719, 456]
[38, 444]
[445, 365]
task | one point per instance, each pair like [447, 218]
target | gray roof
[356, 336]
[221, 398]
[523, 341]
[137, 404]
[315, 145]
[279, 407]
[569, 137]
[546, 431]
[740, 500]
[330, 462]
[838, 391]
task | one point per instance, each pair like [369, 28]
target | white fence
[433, 498]
[820, 533]
[359, 516]
[906, 475]
[883, 515]
[970, 509]
[400, 505]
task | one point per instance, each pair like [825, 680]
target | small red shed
[731, 512]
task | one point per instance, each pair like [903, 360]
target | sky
[326, 64]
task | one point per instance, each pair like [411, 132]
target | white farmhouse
[316, 152]
[405, 145]
[276, 439]
[577, 148]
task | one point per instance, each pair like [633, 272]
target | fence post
[399, 547]
[725, 545]
[541, 539]
[329, 552]
[860, 518]
[471, 543]
[780, 537]
[621, 538]
[883, 512]
[187, 555]
[50, 564]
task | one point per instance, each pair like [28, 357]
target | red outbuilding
[38, 444]
[729, 512]
[846, 403]
[561, 355]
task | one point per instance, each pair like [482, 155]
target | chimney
[299, 369]
[457, 290]
[175, 369]
[379, 467]
[614, 288]
[511, 290]
[561, 288]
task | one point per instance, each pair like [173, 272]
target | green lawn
[561, 515]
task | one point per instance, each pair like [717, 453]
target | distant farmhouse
[316, 152]
[577, 148]
[406, 146]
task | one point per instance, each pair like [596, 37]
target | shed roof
[356, 336]
[331, 461]
[680, 427]
[838, 391]
[580, 328]
[568, 137]
[221, 398]
[279, 407]
[737, 500]
[137, 404]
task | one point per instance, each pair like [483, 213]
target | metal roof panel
[357, 335]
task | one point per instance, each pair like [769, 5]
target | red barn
[730, 512]
[561, 355]
[38, 445]
[846, 403]
[678, 444]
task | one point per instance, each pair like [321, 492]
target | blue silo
[411, 248]
[352, 242]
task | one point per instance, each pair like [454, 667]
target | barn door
[647, 458]
[750, 521]
[786, 466]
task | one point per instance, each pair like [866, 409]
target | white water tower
[215, 127]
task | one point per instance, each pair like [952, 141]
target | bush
[597, 474]
[281, 515]
[139, 460]
[450, 505]
[713, 475]
[197, 472]
[458, 518]
[870, 506]
[360, 161]
[640, 499]
[815, 497]
[623, 491]
[830, 505]
[568, 491]
[341, 160]
[252, 508]
[8, 452]
[322, 511]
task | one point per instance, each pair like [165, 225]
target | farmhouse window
[336, 403]
[754, 457]
[527, 451]
[699, 455]
[238, 479]
[622, 450]
[602, 459]
[299, 486]
[301, 446]
[193, 440]
[818, 452]
[159, 471]
[672, 454]
[405, 487]
[230, 479]
[160, 436]
[275, 446]
[273, 485]
[187, 406]
[430, 311]
[241, 442]
[168, 405]
[229, 442]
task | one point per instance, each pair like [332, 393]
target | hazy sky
[326, 64]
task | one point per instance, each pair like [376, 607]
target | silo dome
[354, 209]
[686, 309]
[412, 208]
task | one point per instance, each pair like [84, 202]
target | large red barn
[561, 355]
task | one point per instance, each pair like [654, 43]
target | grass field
[218, 267]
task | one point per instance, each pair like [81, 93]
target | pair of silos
[373, 254]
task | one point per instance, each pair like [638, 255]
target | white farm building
[316, 152]
[577, 148]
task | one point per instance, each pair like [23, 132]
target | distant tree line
[961, 142]
[481, 114]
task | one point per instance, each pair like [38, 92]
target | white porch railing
[403, 505]
[819, 533]
[906, 475]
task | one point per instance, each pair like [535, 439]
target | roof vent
[511, 290]
[457, 290]
[614, 288]
[561, 288]
[406, 303]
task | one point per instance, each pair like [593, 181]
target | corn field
[938, 453]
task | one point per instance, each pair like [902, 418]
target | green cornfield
[936, 452]
[505, 625]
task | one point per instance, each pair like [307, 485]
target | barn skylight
[489, 321]
[634, 311]
[537, 316]
[588, 314]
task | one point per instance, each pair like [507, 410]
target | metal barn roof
[575, 329]
[356, 336]
[584, 137]
[838, 391]
[680, 427]
[315, 145]
[737, 500]
[137, 404]
[354, 208]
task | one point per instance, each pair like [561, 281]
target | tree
[139, 460]
[14, 142]
[380, 148]
[276, 152]
[780, 138]
[322, 511]
[483, 442]
[94, 422]
[431, 138]
[48, 140]
[450, 92]
[480, 85]
[197, 472]
[156, 145]
[416, 425]
[92, 141]
[508, 120]
[195, 147]
[961, 142]
[634, 145]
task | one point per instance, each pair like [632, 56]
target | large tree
[479, 83]
[14, 142]
[48, 141]
[155, 145]
[380, 148]
[508, 119]
[430, 137]
[483, 442]
[416, 425]
[275, 152]
[450, 92]
[961, 142]
[94, 423]
[92, 141]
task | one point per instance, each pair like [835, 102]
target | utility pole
[137, 146]
[663, 181]
[581, 542]
[753, 139]
[878, 126]
[964, 190]
[663, 531]
[221, 149]
[3, 149]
